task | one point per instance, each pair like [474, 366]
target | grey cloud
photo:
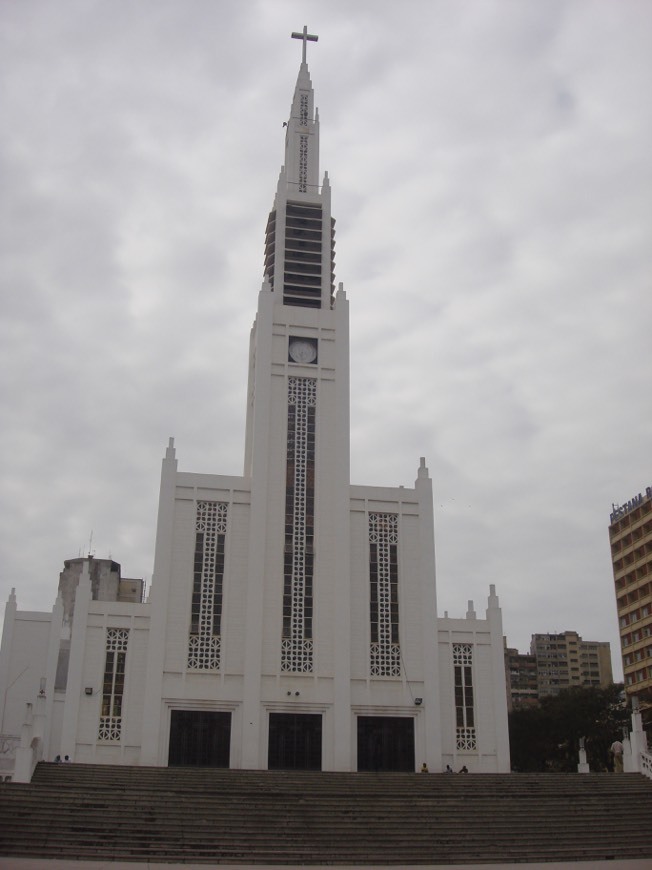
[491, 185]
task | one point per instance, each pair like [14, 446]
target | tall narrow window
[303, 110]
[464, 714]
[303, 145]
[297, 642]
[113, 684]
[207, 588]
[385, 652]
[303, 164]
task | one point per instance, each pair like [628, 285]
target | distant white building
[292, 620]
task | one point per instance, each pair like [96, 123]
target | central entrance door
[385, 743]
[294, 741]
[199, 738]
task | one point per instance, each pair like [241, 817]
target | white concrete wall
[179, 687]
[101, 616]
[490, 704]
[417, 614]
[23, 663]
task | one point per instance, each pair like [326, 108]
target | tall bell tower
[297, 436]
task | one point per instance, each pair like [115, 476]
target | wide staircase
[200, 815]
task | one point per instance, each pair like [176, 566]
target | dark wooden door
[385, 743]
[199, 738]
[294, 741]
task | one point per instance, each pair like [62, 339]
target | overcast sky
[490, 166]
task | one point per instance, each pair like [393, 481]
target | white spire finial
[306, 37]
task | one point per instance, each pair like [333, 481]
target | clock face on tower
[302, 350]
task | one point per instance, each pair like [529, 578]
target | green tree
[547, 737]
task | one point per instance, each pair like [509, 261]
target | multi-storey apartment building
[630, 535]
[565, 661]
[555, 662]
[521, 679]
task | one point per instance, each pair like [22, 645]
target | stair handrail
[636, 753]
[646, 764]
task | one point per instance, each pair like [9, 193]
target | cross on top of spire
[305, 37]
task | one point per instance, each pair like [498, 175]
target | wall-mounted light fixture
[418, 701]
[88, 690]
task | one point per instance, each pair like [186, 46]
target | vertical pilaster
[429, 638]
[159, 596]
[342, 722]
[54, 643]
[252, 712]
[83, 597]
[495, 622]
[5, 653]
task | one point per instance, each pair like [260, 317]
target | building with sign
[292, 621]
[630, 537]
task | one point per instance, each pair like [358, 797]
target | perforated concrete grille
[465, 733]
[117, 640]
[385, 651]
[204, 644]
[297, 643]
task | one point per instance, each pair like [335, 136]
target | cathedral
[292, 617]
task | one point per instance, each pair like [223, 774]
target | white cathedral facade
[292, 618]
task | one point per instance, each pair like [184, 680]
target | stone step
[113, 813]
[416, 787]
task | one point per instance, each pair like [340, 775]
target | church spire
[300, 235]
[302, 133]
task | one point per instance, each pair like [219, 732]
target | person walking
[616, 750]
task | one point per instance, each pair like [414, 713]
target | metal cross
[306, 37]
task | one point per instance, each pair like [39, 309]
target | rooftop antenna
[90, 545]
